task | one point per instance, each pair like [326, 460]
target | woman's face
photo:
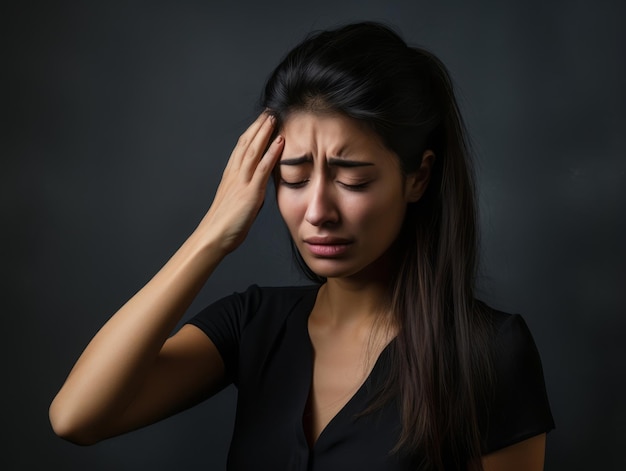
[341, 194]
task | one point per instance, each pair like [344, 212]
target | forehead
[331, 134]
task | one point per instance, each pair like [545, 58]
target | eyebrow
[333, 161]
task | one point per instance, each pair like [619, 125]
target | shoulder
[275, 294]
[519, 407]
[285, 296]
[511, 336]
[274, 300]
[243, 307]
[248, 320]
[514, 353]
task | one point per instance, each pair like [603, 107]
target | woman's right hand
[133, 373]
[241, 191]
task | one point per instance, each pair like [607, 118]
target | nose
[322, 209]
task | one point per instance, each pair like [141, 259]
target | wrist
[206, 244]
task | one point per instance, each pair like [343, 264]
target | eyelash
[359, 187]
[293, 184]
[300, 184]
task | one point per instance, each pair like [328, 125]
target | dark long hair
[440, 358]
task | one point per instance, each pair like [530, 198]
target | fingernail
[279, 140]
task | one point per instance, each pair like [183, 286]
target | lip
[327, 246]
[326, 240]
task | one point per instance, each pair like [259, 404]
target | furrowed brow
[305, 159]
[332, 161]
[341, 162]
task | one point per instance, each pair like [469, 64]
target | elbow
[67, 426]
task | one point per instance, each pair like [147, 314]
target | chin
[336, 268]
[330, 268]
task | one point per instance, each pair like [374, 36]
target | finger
[269, 161]
[248, 137]
[255, 150]
[234, 161]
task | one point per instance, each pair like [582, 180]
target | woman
[388, 361]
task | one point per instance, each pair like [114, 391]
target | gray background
[119, 117]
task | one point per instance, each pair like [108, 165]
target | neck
[347, 302]
[361, 299]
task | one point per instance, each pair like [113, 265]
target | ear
[417, 182]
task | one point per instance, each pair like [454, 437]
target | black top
[263, 338]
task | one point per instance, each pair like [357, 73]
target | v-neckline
[304, 331]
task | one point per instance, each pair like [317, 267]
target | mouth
[327, 246]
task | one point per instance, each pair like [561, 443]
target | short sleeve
[520, 408]
[223, 322]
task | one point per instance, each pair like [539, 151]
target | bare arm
[131, 374]
[527, 455]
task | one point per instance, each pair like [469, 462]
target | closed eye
[355, 187]
[347, 186]
[298, 184]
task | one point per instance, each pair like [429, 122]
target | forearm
[117, 384]
[115, 363]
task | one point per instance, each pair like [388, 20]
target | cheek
[377, 211]
[288, 209]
